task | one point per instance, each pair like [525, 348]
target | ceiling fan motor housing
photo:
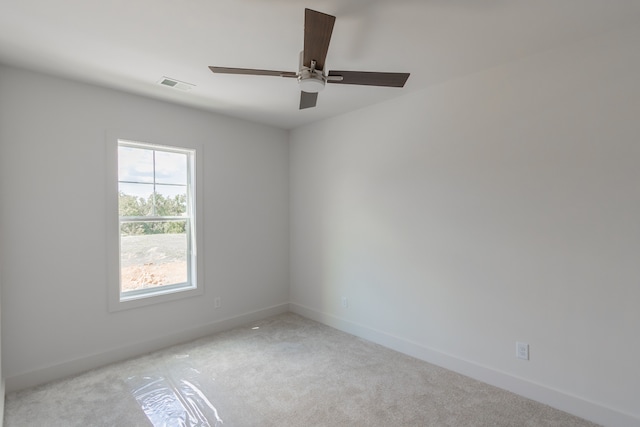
[311, 81]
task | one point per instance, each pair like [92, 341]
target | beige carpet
[282, 371]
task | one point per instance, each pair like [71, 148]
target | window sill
[160, 296]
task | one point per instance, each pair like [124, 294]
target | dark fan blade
[251, 71]
[369, 78]
[308, 100]
[317, 35]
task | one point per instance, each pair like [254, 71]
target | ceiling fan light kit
[311, 75]
[311, 83]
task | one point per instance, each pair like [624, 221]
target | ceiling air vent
[176, 84]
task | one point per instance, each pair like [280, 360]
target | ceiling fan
[311, 75]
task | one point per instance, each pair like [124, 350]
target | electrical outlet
[522, 350]
[345, 302]
[217, 303]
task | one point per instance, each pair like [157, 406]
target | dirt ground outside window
[153, 260]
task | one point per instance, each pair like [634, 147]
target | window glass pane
[171, 168]
[135, 199]
[135, 164]
[153, 254]
[171, 200]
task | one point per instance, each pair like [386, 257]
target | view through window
[156, 206]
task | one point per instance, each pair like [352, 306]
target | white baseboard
[93, 361]
[558, 399]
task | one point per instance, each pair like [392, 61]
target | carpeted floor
[282, 371]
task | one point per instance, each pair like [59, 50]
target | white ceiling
[131, 44]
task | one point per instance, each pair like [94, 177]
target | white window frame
[118, 300]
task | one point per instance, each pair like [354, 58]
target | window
[156, 228]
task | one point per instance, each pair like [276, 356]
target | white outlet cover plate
[522, 350]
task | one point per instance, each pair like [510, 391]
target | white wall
[2, 389]
[502, 206]
[53, 225]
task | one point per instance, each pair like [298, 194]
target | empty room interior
[440, 200]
